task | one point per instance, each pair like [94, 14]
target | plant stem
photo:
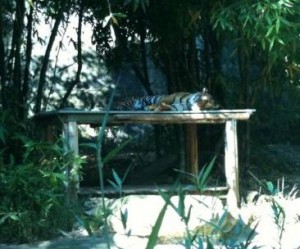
[100, 162]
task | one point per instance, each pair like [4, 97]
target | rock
[141, 213]
[267, 230]
[277, 220]
[133, 242]
[81, 243]
[252, 196]
[290, 237]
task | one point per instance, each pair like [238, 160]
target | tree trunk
[28, 60]
[142, 72]
[79, 58]
[17, 42]
[2, 62]
[45, 63]
[146, 81]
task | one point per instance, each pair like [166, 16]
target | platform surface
[121, 117]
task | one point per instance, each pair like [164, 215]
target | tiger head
[202, 101]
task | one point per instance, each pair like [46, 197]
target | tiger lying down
[181, 101]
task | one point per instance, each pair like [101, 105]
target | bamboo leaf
[14, 217]
[286, 22]
[269, 31]
[280, 41]
[270, 187]
[85, 224]
[277, 25]
[167, 199]
[271, 43]
[107, 20]
[114, 20]
[117, 179]
[120, 15]
[114, 185]
[30, 2]
[126, 173]
[263, 44]
[204, 174]
[10, 215]
[188, 216]
[116, 151]
[155, 230]
[181, 204]
[124, 217]
[251, 236]
[209, 244]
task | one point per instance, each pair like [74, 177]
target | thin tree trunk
[79, 58]
[45, 63]
[28, 59]
[17, 74]
[141, 78]
[2, 62]
[244, 68]
[146, 81]
[142, 71]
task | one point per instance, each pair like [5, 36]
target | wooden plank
[231, 167]
[48, 133]
[117, 117]
[150, 189]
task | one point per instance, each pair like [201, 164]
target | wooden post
[231, 166]
[48, 133]
[192, 163]
[70, 136]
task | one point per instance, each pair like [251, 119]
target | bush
[33, 204]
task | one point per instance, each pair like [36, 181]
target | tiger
[180, 101]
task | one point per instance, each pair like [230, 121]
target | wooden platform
[150, 190]
[125, 117]
[71, 118]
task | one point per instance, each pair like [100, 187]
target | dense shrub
[33, 204]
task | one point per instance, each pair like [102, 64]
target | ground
[275, 229]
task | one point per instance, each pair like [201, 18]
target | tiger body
[181, 101]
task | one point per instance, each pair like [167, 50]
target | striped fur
[181, 101]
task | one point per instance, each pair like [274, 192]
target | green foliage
[155, 230]
[263, 35]
[265, 50]
[117, 181]
[268, 22]
[204, 174]
[277, 116]
[32, 192]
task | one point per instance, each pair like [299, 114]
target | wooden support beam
[48, 133]
[231, 166]
[70, 137]
[192, 162]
